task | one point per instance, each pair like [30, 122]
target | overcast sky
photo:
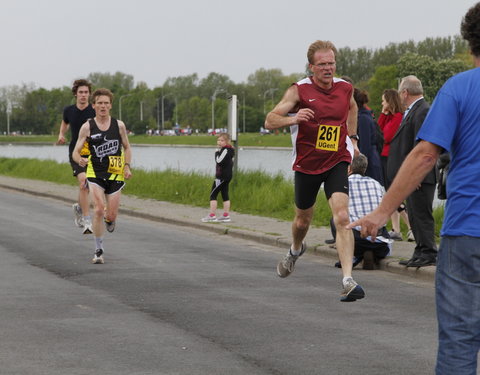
[52, 42]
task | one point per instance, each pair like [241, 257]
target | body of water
[181, 158]
[185, 159]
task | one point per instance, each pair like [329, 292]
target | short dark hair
[470, 29]
[81, 82]
[359, 164]
[361, 97]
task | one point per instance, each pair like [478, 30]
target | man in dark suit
[420, 202]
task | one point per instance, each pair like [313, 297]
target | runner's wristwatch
[354, 136]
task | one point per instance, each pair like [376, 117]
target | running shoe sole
[205, 220]
[98, 260]
[355, 293]
[87, 230]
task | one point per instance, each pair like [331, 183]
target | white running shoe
[98, 257]
[87, 226]
[77, 212]
[210, 219]
[224, 219]
[397, 236]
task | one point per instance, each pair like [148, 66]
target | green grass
[244, 139]
[438, 217]
[251, 192]
[45, 170]
[28, 139]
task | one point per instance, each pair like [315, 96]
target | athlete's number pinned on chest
[327, 138]
[115, 164]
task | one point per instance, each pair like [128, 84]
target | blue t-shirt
[453, 123]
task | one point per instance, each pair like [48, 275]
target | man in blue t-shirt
[452, 125]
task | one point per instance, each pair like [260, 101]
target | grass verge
[251, 192]
[244, 139]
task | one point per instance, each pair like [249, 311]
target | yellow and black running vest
[106, 154]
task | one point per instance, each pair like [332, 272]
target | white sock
[98, 242]
[345, 279]
[295, 252]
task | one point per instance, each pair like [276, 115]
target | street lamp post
[158, 114]
[214, 96]
[163, 108]
[120, 105]
[271, 90]
[176, 111]
[243, 111]
[9, 112]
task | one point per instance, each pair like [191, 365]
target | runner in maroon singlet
[324, 139]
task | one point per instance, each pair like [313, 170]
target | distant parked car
[168, 132]
[217, 131]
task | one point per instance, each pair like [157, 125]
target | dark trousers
[380, 249]
[420, 214]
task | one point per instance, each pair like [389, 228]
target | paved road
[171, 300]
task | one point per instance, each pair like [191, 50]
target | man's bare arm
[278, 117]
[352, 121]
[352, 118]
[127, 150]
[61, 134]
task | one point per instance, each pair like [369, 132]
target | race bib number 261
[327, 138]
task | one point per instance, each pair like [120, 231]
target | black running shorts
[76, 168]
[307, 185]
[108, 186]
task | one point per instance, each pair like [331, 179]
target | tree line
[200, 103]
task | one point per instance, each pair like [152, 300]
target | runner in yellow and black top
[107, 166]
[106, 154]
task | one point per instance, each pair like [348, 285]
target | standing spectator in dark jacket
[420, 202]
[223, 175]
[366, 130]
